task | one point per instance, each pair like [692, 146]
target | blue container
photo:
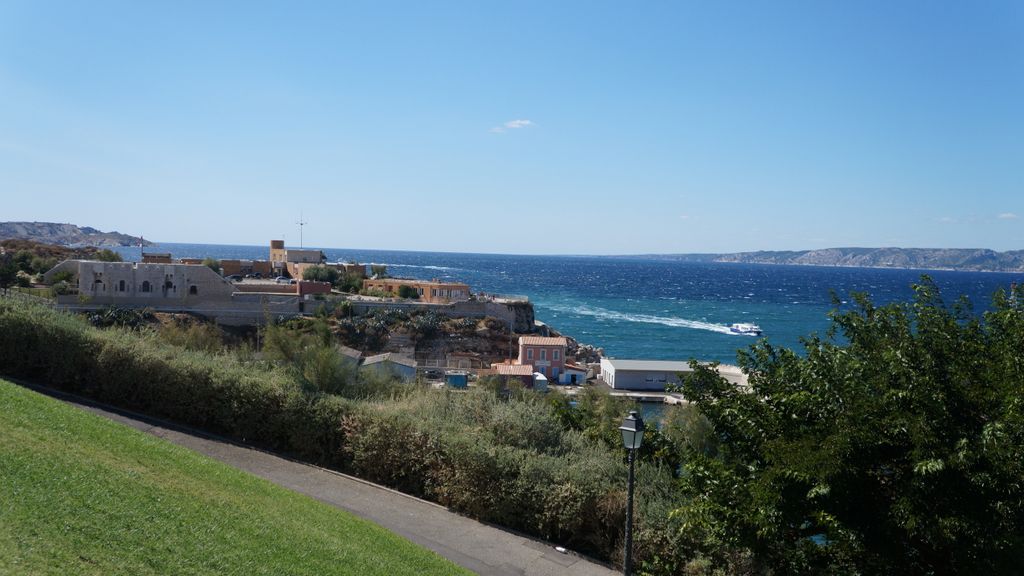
[456, 379]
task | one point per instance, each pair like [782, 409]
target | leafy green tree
[23, 260]
[895, 445]
[320, 274]
[8, 271]
[406, 291]
[107, 255]
[63, 276]
[350, 282]
[379, 270]
[212, 264]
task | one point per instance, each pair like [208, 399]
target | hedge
[505, 462]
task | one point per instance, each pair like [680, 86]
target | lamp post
[632, 436]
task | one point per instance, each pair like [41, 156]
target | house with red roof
[546, 354]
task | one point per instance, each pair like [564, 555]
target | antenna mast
[301, 223]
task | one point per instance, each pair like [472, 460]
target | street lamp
[632, 436]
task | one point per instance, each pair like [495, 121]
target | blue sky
[519, 127]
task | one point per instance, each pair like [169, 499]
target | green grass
[80, 494]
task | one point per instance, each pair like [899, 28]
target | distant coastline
[70, 235]
[946, 259]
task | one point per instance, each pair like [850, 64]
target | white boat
[746, 329]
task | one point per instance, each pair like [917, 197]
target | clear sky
[519, 127]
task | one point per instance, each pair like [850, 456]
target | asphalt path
[482, 548]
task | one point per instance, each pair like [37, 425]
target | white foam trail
[647, 319]
[430, 267]
[414, 266]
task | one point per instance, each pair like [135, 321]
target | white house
[573, 374]
[655, 375]
[641, 374]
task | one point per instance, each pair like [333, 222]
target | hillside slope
[89, 496]
[975, 259]
[65, 234]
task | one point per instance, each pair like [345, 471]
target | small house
[389, 362]
[574, 374]
[540, 382]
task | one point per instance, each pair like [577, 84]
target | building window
[543, 354]
[193, 290]
[529, 353]
[554, 355]
[145, 286]
[120, 286]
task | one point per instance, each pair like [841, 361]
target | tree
[406, 291]
[895, 449]
[379, 270]
[107, 255]
[212, 264]
[8, 271]
[350, 282]
[320, 274]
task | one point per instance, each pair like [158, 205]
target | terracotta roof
[542, 341]
[571, 366]
[513, 369]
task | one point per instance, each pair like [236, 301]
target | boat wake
[443, 268]
[646, 319]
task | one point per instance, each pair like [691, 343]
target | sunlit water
[637, 308]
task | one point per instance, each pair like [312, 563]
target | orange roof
[513, 369]
[542, 341]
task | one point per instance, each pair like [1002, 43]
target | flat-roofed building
[642, 374]
[430, 291]
[656, 374]
[156, 258]
[292, 260]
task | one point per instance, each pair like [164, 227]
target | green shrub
[503, 460]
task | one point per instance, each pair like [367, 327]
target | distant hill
[65, 234]
[973, 259]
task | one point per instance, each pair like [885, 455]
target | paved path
[479, 547]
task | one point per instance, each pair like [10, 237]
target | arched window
[145, 286]
[193, 290]
[120, 286]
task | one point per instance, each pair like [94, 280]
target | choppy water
[637, 308]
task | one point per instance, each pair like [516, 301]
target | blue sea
[654, 309]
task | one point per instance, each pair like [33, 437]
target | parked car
[235, 278]
[283, 280]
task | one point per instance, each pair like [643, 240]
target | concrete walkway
[479, 547]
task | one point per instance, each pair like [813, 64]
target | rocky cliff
[65, 234]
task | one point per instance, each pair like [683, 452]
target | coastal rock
[970, 259]
[65, 234]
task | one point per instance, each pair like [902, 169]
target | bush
[212, 264]
[406, 291]
[507, 461]
[320, 274]
[107, 255]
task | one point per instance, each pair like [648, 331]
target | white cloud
[512, 125]
[946, 220]
[684, 216]
[1007, 216]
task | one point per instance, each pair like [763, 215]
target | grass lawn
[80, 494]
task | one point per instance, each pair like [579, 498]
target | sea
[646, 308]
